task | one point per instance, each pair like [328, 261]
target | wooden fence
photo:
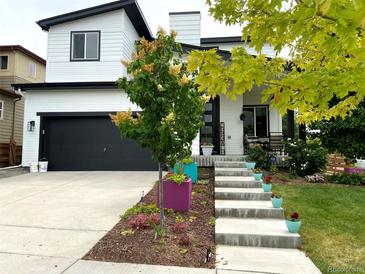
[4, 155]
[336, 164]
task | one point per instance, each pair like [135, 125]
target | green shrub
[347, 179]
[306, 158]
[141, 208]
[258, 155]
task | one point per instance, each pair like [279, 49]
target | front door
[209, 133]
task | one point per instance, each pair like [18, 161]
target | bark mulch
[140, 246]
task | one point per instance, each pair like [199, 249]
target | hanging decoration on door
[222, 139]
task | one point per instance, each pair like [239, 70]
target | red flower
[294, 215]
[267, 179]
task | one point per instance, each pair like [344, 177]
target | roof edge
[23, 50]
[9, 93]
[222, 40]
[131, 7]
[65, 85]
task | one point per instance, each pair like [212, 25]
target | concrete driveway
[48, 221]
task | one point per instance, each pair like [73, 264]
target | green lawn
[333, 224]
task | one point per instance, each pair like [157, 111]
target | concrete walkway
[251, 235]
[49, 221]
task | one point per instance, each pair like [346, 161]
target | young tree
[326, 44]
[171, 106]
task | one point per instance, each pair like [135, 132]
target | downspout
[13, 122]
[12, 143]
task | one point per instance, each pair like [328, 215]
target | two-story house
[17, 65]
[67, 117]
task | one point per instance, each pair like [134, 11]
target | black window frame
[267, 119]
[85, 32]
[7, 62]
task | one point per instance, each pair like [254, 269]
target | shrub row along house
[17, 65]
[70, 110]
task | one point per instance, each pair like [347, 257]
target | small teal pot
[293, 227]
[258, 176]
[267, 187]
[250, 165]
[277, 202]
[190, 170]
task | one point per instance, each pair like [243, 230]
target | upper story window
[85, 46]
[4, 60]
[1, 110]
[32, 69]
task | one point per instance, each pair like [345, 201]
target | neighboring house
[17, 65]
[71, 109]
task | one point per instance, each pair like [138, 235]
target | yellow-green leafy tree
[171, 105]
[326, 47]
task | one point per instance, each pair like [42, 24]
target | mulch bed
[142, 248]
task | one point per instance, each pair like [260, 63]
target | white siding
[267, 49]
[253, 97]
[66, 101]
[230, 114]
[187, 27]
[116, 42]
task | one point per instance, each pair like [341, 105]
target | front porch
[208, 161]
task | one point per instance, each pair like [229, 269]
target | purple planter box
[177, 197]
[353, 170]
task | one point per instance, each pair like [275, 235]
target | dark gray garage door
[90, 143]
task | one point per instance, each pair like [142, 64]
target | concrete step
[255, 232]
[232, 164]
[247, 209]
[263, 260]
[232, 171]
[237, 182]
[229, 193]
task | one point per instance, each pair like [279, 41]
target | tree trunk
[160, 185]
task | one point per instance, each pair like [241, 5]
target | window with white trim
[256, 121]
[1, 110]
[85, 46]
[32, 69]
[4, 62]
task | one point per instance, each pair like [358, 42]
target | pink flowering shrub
[143, 221]
[179, 227]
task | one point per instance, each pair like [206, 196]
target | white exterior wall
[187, 26]
[230, 114]
[96, 100]
[253, 97]
[117, 36]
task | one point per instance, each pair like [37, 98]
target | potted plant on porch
[267, 184]
[177, 192]
[257, 173]
[293, 223]
[188, 167]
[207, 149]
[162, 88]
[276, 200]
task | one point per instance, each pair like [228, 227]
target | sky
[18, 19]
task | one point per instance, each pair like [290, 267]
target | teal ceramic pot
[190, 170]
[250, 165]
[258, 176]
[267, 187]
[293, 227]
[277, 202]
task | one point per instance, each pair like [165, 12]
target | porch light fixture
[242, 116]
[31, 126]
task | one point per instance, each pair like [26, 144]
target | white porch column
[230, 112]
